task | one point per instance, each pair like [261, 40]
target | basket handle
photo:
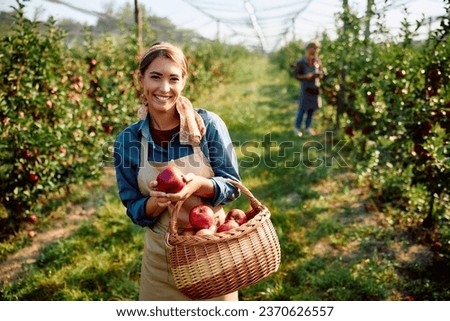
[254, 202]
[174, 217]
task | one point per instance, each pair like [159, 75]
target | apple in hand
[236, 215]
[201, 217]
[170, 180]
[227, 225]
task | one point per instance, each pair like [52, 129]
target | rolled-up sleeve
[219, 149]
[126, 163]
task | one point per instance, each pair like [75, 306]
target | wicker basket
[208, 266]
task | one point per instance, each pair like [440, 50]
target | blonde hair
[164, 49]
[313, 45]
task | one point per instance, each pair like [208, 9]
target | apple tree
[45, 140]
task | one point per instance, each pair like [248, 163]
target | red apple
[201, 217]
[33, 218]
[349, 131]
[437, 245]
[28, 154]
[31, 234]
[204, 231]
[170, 180]
[228, 225]
[236, 215]
[251, 213]
[188, 231]
[33, 177]
[107, 129]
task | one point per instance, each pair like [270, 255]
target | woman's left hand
[195, 185]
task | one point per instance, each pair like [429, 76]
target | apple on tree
[170, 180]
[33, 177]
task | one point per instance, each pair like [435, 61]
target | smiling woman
[171, 132]
[162, 83]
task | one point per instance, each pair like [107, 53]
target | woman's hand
[196, 185]
[307, 76]
[160, 198]
[310, 75]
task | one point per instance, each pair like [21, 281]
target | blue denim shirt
[216, 145]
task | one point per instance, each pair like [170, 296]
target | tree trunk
[369, 14]
[428, 222]
[341, 94]
[138, 20]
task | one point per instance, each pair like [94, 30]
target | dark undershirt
[163, 137]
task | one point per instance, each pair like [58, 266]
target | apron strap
[202, 159]
[144, 152]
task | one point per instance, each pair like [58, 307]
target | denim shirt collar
[144, 129]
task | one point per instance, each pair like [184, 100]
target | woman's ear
[140, 78]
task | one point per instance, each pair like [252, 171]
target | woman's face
[311, 52]
[162, 83]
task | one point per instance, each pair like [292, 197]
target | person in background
[170, 130]
[308, 71]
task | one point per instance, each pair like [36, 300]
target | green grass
[99, 261]
[332, 248]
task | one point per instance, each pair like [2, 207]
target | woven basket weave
[208, 266]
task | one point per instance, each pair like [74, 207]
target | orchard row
[392, 100]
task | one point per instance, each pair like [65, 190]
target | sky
[265, 23]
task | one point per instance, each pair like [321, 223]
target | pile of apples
[201, 220]
[201, 217]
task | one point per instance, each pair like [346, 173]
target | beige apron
[157, 283]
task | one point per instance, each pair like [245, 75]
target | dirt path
[15, 265]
